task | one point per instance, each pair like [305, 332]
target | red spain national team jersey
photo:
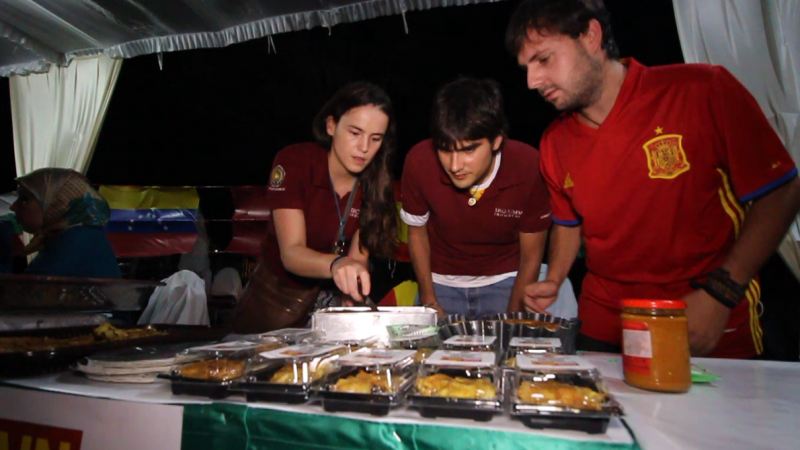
[660, 190]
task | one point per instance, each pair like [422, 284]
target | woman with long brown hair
[332, 208]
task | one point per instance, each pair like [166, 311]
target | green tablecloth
[236, 427]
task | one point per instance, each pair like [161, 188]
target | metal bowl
[564, 329]
[498, 325]
[452, 325]
[44, 293]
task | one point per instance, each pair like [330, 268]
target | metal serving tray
[27, 363]
[341, 323]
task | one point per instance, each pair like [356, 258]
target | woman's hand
[347, 273]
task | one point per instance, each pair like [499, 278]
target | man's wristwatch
[722, 288]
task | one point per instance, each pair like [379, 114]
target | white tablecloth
[756, 405]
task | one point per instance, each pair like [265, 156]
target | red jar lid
[653, 304]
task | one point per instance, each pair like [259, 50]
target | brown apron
[268, 303]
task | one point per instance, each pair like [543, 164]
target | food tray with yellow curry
[218, 366]
[562, 392]
[370, 381]
[289, 373]
[461, 384]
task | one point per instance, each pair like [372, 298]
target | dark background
[218, 116]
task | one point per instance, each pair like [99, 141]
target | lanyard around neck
[343, 217]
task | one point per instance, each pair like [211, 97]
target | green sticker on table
[702, 375]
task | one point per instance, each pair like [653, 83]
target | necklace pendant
[338, 247]
[472, 201]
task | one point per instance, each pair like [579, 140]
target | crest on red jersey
[665, 156]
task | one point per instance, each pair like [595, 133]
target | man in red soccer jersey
[672, 175]
[476, 206]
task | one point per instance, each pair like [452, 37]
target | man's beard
[588, 88]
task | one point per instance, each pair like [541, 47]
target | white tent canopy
[35, 34]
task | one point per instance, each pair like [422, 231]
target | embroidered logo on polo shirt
[277, 176]
[665, 156]
[508, 213]
[568, 182]
[355, 213]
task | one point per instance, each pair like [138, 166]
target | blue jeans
[475, 302]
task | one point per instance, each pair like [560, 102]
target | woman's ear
[330, 125]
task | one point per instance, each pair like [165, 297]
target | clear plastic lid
[471, 343]
[215, 366]
[239, 346]
[291, 335]
[352, 344]
[300, 364]
[573, 393]
[461, 359]
[287, 335]
[414, 336]
[459, 375]
[378, 357]
[372, 371]
[422, 354]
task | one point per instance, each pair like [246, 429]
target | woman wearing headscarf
[66, 217]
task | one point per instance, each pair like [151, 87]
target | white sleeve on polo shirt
[414, 221]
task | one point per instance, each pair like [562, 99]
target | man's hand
[433, 303]
[707, 319]
[539, 296]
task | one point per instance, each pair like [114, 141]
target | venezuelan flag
[151, 221]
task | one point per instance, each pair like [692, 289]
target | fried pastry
[365, 382]
[441, 385]
[556, 393]
[213, 369]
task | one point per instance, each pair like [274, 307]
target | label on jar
[637, 347]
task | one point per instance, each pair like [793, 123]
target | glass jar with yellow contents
[655, 345]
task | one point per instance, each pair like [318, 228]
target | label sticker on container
[226, 347]
[535, 342]
[470, 341]
[457, 358]
[376, 356]
[637, 347]
[552, 362]
[299, 351]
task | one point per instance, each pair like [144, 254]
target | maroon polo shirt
[300, 180]
[480, 240]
